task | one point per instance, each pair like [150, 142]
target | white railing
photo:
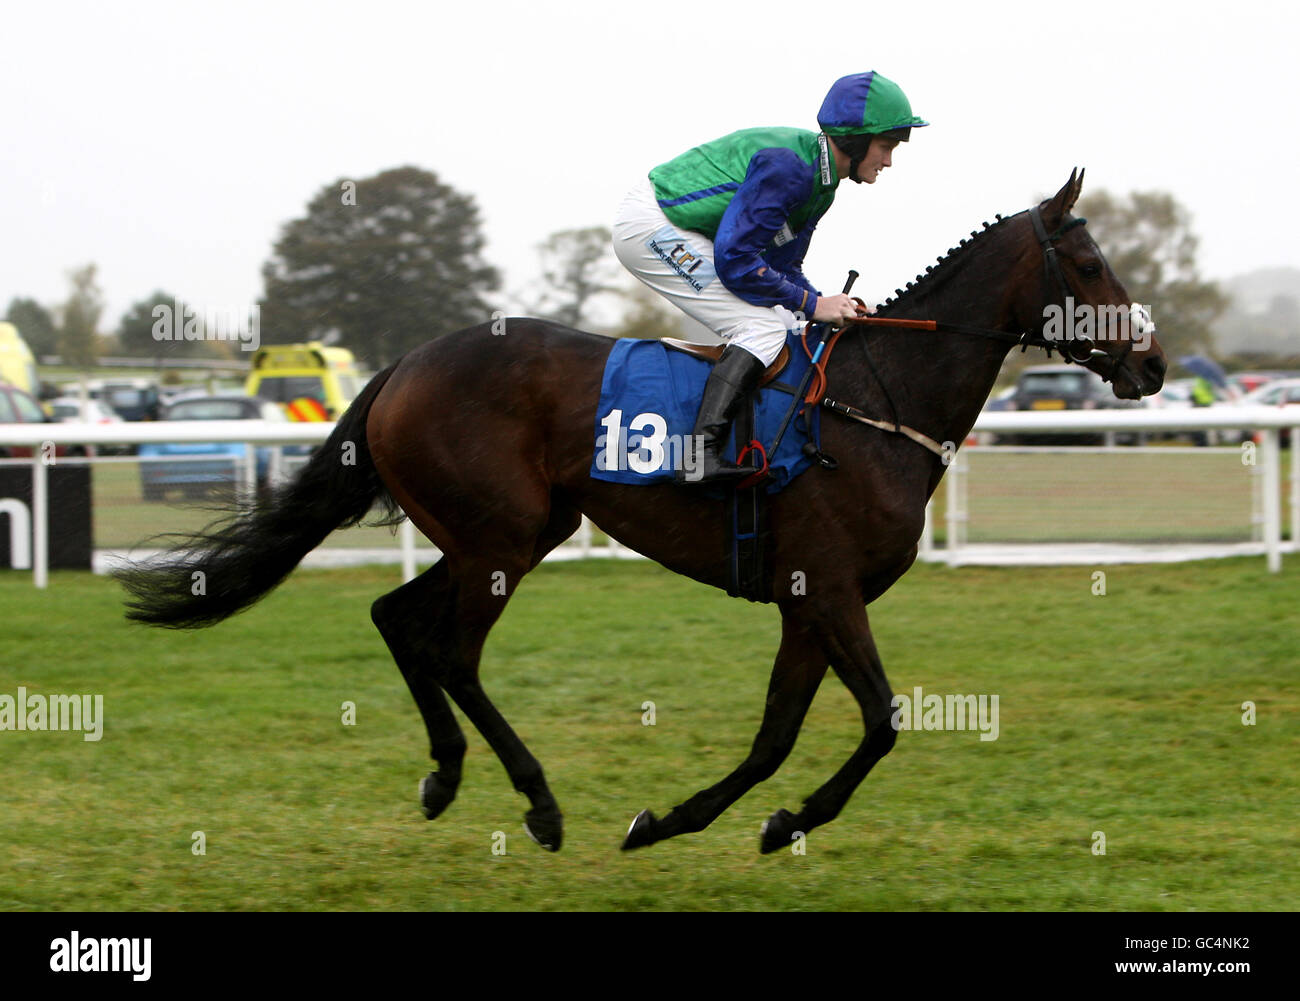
[42, 439]
[1089, 504]
[1267, 421]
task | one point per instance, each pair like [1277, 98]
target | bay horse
[486, 441]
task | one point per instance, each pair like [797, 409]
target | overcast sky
[169, 142]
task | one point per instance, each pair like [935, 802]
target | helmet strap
[856, 162]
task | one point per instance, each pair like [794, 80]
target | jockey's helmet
[867, 104]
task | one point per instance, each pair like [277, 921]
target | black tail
[237, 560]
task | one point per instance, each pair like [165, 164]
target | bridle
[1088, 350]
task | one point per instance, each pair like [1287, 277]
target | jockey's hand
[835, 309]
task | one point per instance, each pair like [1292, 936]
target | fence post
[1295, 490]
[1272, 500]
[40, 520]
[925, 550]
[1257, 496]
[246, 469]
[407, 532]
[275, 474]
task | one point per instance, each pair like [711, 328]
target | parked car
[1063, 387]
[1248, 382]
[131, 399]
[19, 407]
[68, 409]
[1280, 393]
[195, 477]
[1001, 400]
[71, 409]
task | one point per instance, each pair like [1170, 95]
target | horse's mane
[939, 272]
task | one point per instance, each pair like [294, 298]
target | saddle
[712, 352]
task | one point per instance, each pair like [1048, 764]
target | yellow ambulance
[17, 363]
[309, 381]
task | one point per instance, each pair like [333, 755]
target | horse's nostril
[1154, 369]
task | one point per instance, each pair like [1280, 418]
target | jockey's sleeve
[794, 253]
[777, 181]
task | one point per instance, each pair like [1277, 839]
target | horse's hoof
[434, 796]
[547, 829]
[640, 833]
[777, 832]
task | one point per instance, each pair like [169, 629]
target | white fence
[1083, 504]
[1266, 422]
[42, 438]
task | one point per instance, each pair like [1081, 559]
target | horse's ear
[1064, 200]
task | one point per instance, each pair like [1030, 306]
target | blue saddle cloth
[649, 399]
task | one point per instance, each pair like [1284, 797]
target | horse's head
[1078, 305]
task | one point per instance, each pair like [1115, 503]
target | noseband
[1087, 349]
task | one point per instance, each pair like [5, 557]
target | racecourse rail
[42, 438]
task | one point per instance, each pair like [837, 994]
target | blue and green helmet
[867, 104]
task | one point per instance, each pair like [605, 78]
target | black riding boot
[733, 378]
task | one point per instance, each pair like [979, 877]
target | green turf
[1118, 713]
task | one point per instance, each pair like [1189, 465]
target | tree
[379, 265]
[648, 316]
[35, 324]
[1148, 240]
[79, 329]
[136, 330]
[577, 266]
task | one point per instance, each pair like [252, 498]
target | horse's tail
[237, 560]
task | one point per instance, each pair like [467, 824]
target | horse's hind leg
[412, 620]
[798, 671]
[435, 627]
[483, 587]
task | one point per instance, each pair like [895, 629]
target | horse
[484, 439]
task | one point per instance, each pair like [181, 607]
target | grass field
[1119, 713]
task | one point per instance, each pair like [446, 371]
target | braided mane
[942, 269]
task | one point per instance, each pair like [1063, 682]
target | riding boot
[732, 379]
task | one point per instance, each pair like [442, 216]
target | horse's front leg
[852, 653]
[799, 668]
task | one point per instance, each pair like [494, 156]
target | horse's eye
[1090, 271]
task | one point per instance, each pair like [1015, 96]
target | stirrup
[710, 466]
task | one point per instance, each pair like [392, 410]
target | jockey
[722, 230]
